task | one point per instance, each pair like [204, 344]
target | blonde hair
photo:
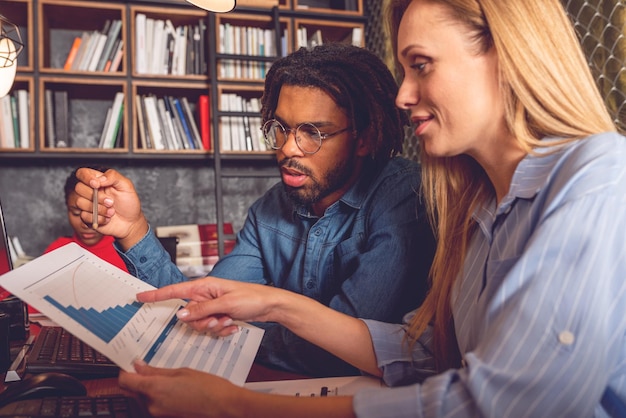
[548, 91]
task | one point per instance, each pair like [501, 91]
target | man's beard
[334, 180]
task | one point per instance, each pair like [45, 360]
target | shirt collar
[528, 179]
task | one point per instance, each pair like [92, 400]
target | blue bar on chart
[106, 324]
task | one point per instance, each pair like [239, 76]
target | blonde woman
[525, 177]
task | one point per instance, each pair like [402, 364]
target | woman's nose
[407, 95]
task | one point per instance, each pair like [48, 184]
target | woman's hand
[215, 303]
[182, 392]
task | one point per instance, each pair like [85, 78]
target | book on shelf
[237, 131]
[114, 122]
[224, 123]
[167, 126]
[141, 122]
[61, 119]
[112, 37]
[140, 42]
[82, 47]
[72, 54]
[204, 109]
[116, 59]
[97, 52]
[202, 28]
[152, 122]
[23, 109]
[16, 122]
[254, 106]
[191, 121]
[357, 36]
[7, 134]
[183, 120]
[90, 48]
[49, 113]
[179, 132]
[250, 145]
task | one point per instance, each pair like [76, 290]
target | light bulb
[8, 65]
[219, 6]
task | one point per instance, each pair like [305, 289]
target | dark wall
[171, 194]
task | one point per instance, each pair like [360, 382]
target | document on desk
[96, 302]
[326, 386]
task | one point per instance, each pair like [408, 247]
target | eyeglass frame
[289, 131]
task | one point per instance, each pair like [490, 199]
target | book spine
[61, 119]
[16, 122]
[71, 56]
[186, 128]
[49, 111]
[191, 120]
[205, 117]
[24, 116]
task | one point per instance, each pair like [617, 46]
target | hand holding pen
[110, 204]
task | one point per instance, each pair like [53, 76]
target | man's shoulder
[399, 170]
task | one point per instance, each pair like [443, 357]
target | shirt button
[310, 284]
[143, 259]
[566, 338]
[318, 232]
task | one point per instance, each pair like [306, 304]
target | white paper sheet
[95, 301]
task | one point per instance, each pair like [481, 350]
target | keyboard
[56, 350]
[117, 406]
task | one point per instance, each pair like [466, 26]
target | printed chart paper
[95, 301]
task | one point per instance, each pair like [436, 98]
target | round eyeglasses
[308, 136]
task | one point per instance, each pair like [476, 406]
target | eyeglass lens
[308, 137]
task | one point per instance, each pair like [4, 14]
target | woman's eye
[419, 66]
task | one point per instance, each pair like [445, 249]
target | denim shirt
[367, 256]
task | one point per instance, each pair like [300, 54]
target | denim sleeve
[245, 262]
[148, 261]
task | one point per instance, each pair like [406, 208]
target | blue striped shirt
[540, 309]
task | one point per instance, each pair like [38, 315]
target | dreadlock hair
[72, 180]
[359, 83]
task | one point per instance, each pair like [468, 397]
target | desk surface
[107, 386]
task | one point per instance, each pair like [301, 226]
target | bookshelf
[50, 29]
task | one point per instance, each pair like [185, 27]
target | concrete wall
[172, 193]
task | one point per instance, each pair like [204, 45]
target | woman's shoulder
[591, 165]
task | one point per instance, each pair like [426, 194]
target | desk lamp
[220, 6]
[10, 47]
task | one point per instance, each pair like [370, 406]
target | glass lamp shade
[10, 47]
[219, 6]
[8, 65]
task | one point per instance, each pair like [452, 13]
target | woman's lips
[421, 124]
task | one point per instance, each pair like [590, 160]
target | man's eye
[309, 133]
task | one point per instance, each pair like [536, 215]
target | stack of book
[241, 133]
[15, 120]
[244, 40]
[57, 119]
[165, 49]
[303, 39]
[58, 133]
[98, 50]
[168, 123]
[197, 248]
[112, 131]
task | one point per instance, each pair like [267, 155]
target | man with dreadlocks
[345, 226]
